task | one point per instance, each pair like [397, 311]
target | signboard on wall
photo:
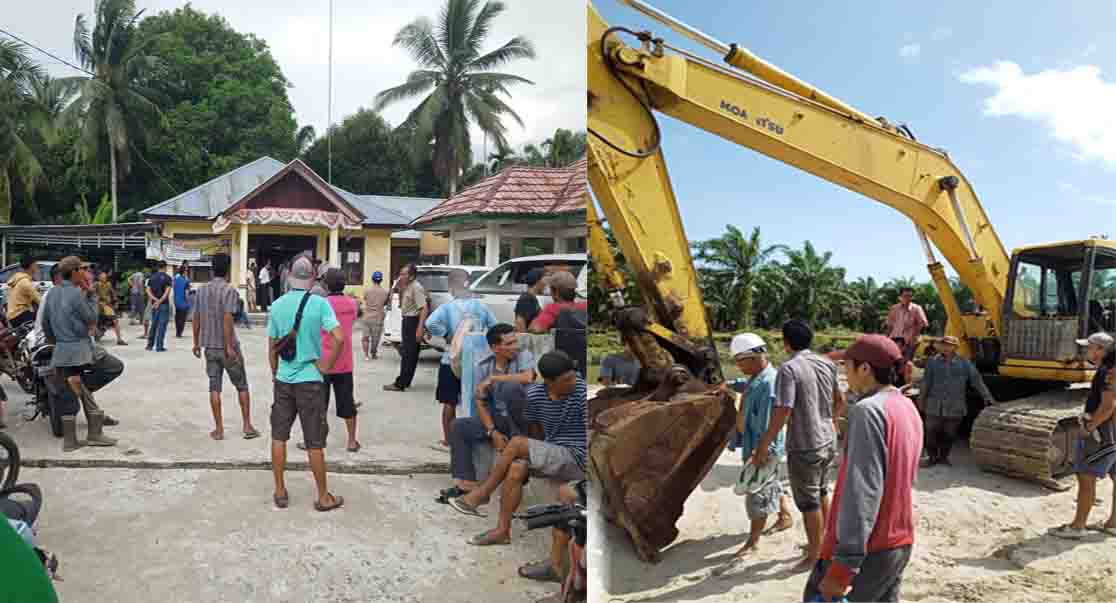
[191, 249]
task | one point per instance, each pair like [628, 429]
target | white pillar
[242, 261]
[492, 244]
[559, 244]
[454, 247]
[334, 253]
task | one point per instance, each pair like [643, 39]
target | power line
[157, 173]
[49, 54]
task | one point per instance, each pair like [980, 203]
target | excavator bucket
[648, 456]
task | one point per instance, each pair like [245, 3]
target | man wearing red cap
[870, 529]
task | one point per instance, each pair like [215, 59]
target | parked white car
[435, 280]
[500, 289]
[41, 278]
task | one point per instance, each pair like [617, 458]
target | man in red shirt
[870, 528]
[563, 292]
[567, 316]
[905, 322]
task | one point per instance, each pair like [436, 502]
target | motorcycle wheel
[26, 383]
[9, 464]
[55, 419]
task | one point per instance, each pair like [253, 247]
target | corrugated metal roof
[211, 198]
[517, 191]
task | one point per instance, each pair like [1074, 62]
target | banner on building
[187, 249]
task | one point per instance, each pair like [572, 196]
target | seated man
[501, 377]
[619, 369]
[557, 567]
[556, 416]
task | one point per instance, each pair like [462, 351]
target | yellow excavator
[652, 446]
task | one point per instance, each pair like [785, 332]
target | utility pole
[329, 113]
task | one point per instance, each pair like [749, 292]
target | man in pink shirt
[340, 377]
[905, 322]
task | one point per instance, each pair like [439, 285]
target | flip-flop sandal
[483, 539]
[281, 501]
[462, 507]
[1100, 527]
[354, 448]
[542, 571]
[251, 435]
[1068, 533]
[337, 502]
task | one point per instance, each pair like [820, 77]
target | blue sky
[1021, 95]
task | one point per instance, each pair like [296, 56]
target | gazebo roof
[517, 192]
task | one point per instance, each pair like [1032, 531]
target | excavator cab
[1057, 293]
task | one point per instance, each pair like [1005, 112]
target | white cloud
[910, 50]
[364, 59]
[941, 33]
[1074, 104]
[1073, 193]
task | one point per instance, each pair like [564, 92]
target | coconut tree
[20, 116]
[817, 286]
[564, 148]
[112, 109]
[461, 88]
[740, 257]
[304, 138]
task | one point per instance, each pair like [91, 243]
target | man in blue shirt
[444, 323]
[182, 300]
[158, 292]
[749, 352]
[298, 379]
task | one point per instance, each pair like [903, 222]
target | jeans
[468, 433]
[157, 335]
[137, 306]
[104, 369]
[409, 350]
[180, 316]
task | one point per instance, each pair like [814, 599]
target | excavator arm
[773, 113]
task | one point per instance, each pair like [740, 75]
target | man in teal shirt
[24, 576]
[298, 381]
[749, 352]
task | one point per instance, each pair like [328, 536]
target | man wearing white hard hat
[1095, 448]
[762, 487]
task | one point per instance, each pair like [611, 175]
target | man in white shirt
[263, 291]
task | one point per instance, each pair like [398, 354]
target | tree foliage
[460, 85]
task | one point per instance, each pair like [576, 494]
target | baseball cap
[1099, 338]
[534, 275]
[71, 263]
[747, 344]
[562, 280]
[302, 274]
[377, 276]
[876, 350]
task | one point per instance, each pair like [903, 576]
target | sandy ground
[980, 538]
[170, 515]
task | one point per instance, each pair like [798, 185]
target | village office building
[267, 210]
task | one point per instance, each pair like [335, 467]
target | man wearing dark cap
[70, 313]
[527, 307]
[807, 398]
[568, 318]
[869, 533]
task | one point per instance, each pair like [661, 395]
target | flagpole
[329, 119]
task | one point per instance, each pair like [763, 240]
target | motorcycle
[13, 361]
[39, 354]
[572, 519]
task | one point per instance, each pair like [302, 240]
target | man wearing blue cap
[376, 300]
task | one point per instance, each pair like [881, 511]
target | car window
[435, 282]
[509, 277]
[7, 274]
[475, 275]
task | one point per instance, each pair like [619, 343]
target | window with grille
[352, 260]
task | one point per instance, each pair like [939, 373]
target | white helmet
[748, 344]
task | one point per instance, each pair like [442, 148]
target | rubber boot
[69, 434]
[96, 437]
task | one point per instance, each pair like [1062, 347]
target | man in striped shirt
[214, 332]
[556, 448]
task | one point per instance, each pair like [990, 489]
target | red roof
[517, 191]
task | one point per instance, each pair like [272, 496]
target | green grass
[603, 342]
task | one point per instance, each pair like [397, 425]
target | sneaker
[391, 387]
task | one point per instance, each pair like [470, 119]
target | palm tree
[304, 138]
[817, 287]
[112, 107]
[462, 88]
[501, 159]
[52, 95]
[564, 148]
[19, 116]
[740, 258]
[869, 306]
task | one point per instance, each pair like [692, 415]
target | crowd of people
[859, 538]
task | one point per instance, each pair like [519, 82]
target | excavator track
[1030, 438]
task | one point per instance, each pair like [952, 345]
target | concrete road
[171, 515]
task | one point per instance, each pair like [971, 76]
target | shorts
[305, 401]
[370, 325]
[553, 461]
[216, 366]
[809, 476]
[880, 577]
[449, 386]
[766, 502]
[342, 384]
[1101, 467]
